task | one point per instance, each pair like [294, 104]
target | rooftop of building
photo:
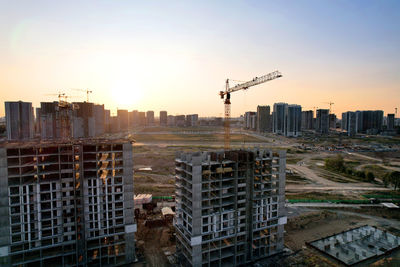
[37, 142]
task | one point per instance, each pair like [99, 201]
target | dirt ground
[313, 224]
[152, 242]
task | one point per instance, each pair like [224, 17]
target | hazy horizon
[176, 56]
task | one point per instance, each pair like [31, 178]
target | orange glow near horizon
[176, 57]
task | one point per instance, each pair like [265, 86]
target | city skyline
[176, 57]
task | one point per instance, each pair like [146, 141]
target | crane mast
[226, 95]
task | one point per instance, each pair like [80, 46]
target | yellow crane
[226, 95]
[84, 90]
[330, 106]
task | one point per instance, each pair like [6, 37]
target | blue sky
[176, 55]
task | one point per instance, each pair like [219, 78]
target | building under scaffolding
[67, 203]
[229, 206]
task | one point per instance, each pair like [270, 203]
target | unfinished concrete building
[66, 203]
[359, 245]
[229, 206]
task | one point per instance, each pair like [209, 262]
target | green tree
[395, 179]
[370, 176]
[335, 164]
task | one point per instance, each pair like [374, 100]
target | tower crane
[330, 106]
[84, 90]
[226, 95]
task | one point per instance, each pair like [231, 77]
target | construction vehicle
[226, 95]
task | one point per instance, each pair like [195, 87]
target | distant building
[192, 120]
[180, 120]
[170, 120]
[163, 118]
[107, 120]
[55, 123]
[349, 123]
[279, 118]
[390, 122]
[83, 120]
[133, 118]
[20, 123]
[264, 120]
[37, 122]
[307, 120]
[322, 121]
[150, 118]
[123, 119]
[99, 119]
[369, 121]
[293, 121]
[114, 124]
[332, 121]
[141, 118]
[250, 120]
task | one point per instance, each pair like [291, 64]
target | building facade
[20, 124]
[150, 118]
[67, 204]
[279, 118]
[390, 122]
[307, 120]
[293, 121]
[322, 121]
[229, 206]
[123, 120]
[264, 120]
[163, 118]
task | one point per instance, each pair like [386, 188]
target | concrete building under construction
[67, 203]
[229, 206]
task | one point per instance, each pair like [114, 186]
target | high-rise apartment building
[67, 203]
[307, 120]
[349, 123]
[163, 118]
[133, 118]
[55, 123]
[150, 118]
[107, 120]
[99, 119]
[230, 206]
[180, 120]
[142, 118]
[369, 121]
[264, 120]
[332, 121]
[83, 120]
[250, 120]
[20, 123]
[293, 121]
[192, 120]
[322, 121]
[123, 119]
[279, 118]
[390, 122]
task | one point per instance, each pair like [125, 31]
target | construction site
[230, 207]
[357, 245]
[67, 203]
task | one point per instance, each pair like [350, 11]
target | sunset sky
[176, 55]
